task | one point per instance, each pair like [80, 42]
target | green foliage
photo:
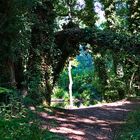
[116, 89]
[131, 130]
[83, 88]
[5, 90]
[87, 14]
[24, 130]
[18, 122]
[60, 93]
[83, 91]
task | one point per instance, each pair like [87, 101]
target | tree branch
[99, 39]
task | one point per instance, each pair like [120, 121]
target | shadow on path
[94, 123]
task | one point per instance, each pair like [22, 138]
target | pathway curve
[100, 122]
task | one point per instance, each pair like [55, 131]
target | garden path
[100, 122]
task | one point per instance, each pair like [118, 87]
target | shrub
[131, 130]
[5, 95]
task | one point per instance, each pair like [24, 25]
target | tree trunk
[131, 83]
[48, 94]
[48, 88]
[70, 84]
[12, 74]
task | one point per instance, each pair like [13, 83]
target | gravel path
[100, 122]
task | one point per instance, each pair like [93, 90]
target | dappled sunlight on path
[93, 123]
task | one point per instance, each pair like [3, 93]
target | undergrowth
[131, 130]
[17, 122]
